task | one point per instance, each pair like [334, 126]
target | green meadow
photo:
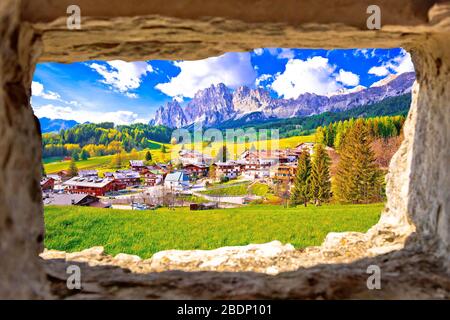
[143, 233]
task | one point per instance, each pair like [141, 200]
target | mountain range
[55, 125]
[217, 104]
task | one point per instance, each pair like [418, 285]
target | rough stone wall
[429, 178]
[418, 184]
[21, 215]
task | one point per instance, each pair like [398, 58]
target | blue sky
[129, 92]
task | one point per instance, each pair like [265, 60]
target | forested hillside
[307, 125]
[104, 138]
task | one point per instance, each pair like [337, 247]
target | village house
[47, 184]
[272, 156]
[63, 175]
[176, 180]
[88, 173]
[257, 169]
[230, 169]
[284, 173]
[137, 165]
[198, 170]
[153, 178]
[92, 186]
[304, 146]
[81, 199]
[127, 177]
[187, 157]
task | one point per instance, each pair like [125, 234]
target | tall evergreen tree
[148, 156]
[358, 178]
[302, 182]
[84, 155]
[75, 156]
[320, 175]
[73, 170]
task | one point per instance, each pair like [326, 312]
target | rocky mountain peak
[218, 103]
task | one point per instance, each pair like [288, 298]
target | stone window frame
[416, 217]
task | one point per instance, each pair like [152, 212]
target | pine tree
[302, 182]
[148, 156]
[73, 170]
[75, 156]
[84, 155]
[358, 178]
[320, 175]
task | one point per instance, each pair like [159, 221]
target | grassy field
[143, 233]
[102, 163]
[237, 189]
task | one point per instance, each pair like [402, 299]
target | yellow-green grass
[238, 189]
[236, 149]
[103, 163]
[143, 233]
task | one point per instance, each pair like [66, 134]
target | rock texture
[217, 104]
[418, 183]
[21, 214]
[269, 258]
[405, 274]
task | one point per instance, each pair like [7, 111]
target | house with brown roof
[92, 186]
[47, 183]
[137, 165]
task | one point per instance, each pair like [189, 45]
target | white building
[177, 180]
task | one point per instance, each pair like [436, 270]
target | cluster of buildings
[89, 181]
[276, 166]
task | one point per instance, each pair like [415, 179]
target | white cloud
[397, 65]
[122, 76]
[402, 63]
[262, 78]
[286, 54]
[232, 69]
[348, 78]
[53, 112]
[379, 71]
[367, 53]
[314, 75]
[67, 113]
[280, 53]
[258, 51]
[37, 90]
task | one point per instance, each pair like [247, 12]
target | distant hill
[392, 106]
[55, 125]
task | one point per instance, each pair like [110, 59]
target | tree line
[103, 139]
[297, 126]
[358, 178]
[333, 134]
